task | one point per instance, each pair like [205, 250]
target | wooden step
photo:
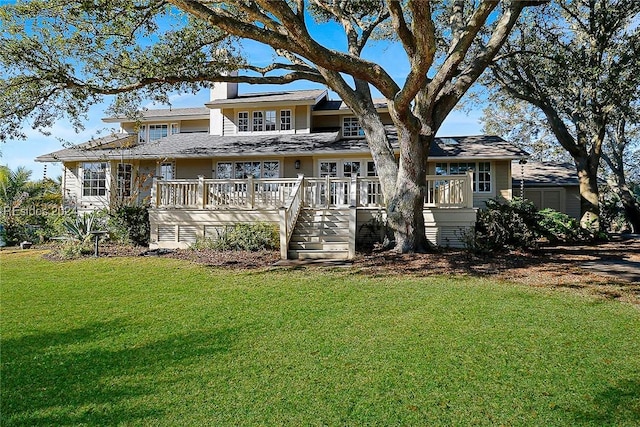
[319, 246]
[316, 254]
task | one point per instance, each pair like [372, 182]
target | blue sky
[389, 55]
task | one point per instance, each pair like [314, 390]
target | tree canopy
[60, 56]
[577, 62]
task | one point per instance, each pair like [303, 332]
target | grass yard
[149, 341]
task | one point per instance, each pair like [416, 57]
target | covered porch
[185, 210]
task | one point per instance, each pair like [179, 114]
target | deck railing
[452, 191]
[289, 215]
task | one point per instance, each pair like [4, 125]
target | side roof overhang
[267, 99]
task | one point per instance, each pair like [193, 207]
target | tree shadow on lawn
[619, 403]
[46, 381]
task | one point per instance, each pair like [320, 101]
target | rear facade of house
[293, 158]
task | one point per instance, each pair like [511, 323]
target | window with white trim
[175, 128]
[158, 131]
[481, 173]
[94, 179]
[243, 121]
[241, 170]
[285, 119]
[484, 177]
[371, 168]
[124, 179]
[351, 127]
[270, 120]
[167, 170]
[258, 121]
[350, 168]
[142, 134]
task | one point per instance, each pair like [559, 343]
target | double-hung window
[270, 120]
[243, 121]
[258, 121]
[351, 127]
[285, 119]
[124, 179]
[94, 179]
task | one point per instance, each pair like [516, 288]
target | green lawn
[148, 341]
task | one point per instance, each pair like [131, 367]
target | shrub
[130, 224]
[559, 227]
[517, 224]
[506, 225]
[243, 237]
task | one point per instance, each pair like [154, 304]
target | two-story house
[294, 158]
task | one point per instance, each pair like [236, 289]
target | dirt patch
[558, 267]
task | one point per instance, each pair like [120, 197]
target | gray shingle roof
[194, 145]
[545, 174]
[163, 112]
[274, 97]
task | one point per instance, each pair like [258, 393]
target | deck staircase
[320, 234]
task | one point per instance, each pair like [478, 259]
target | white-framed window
[94, 179]
[328, 168]
[241, 170]
[371, 168]
[484, 177]
[270, 120]
[175, 128]
[351, 127]
[142, 134]
[243, 121]
[224, 170]
[271, 169]
[481, 173]
[285, 119]
[158, 131]
[167, 170]
[124, 179]
[351, 168]
[258, 121]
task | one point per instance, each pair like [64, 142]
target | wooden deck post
[353, 199]
[283, 232]
[200, 198]
[353, 218]
[251, 196]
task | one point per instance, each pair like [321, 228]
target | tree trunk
[629, 203]
[405, 207]
[587, 168]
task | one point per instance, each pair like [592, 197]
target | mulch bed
[558, 267]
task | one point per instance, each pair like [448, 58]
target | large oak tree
[578, 63]
[60, 56]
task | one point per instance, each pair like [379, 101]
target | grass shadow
[48, 379]
[618, 403]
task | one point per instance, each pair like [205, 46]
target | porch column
[154, 192]
[469, 193]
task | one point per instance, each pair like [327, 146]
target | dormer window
[154, 132]
[285, 119]
[270, 120]
[158, 131]
[243, 121]
[351, 127]
[258, 121]
[265, 121]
